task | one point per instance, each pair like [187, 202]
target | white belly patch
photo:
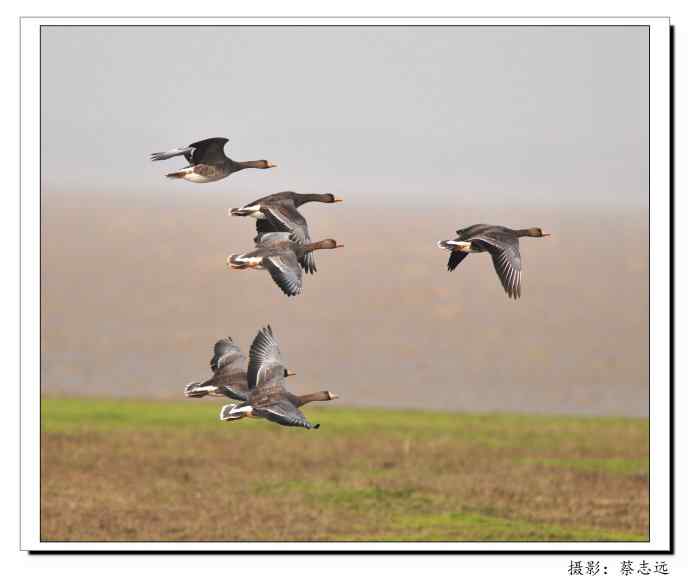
[197, 178]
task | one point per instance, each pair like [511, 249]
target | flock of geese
[258, 385]
[284, 248]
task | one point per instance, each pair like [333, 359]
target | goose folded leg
[242, 261]
[197, 390]
[231, 412]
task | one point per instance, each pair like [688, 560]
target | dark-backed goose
[499, 241]
[281, 254]
[268, 397]
[207, 161]
[229, 367]
[278, 213]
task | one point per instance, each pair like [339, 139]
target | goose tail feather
[447, 244]
[165, 155]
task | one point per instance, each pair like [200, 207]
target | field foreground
[170, 471]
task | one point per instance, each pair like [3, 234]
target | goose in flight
[268, 398]
[282, 255]
[207, 161]
[279, 213]
[229, 367]
[499, 241]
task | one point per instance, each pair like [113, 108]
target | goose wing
[271, 238]
[472, 231]
[265, 361]
[285, 271]
[505, 253]
[300, 234]
[308, 263]
[275, 406]
[455, 258]
[229, 367]
[284, 217]
[209, 151]
[226, 353]
[264, 226]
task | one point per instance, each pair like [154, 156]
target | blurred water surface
[135, 292]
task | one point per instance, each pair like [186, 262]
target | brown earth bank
[135, 292]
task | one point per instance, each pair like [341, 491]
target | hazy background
[422, 130]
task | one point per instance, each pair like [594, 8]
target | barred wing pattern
[265, 361]
[286, 272]
[455, 258]
[505, 254]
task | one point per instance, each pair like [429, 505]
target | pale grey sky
[529, 115]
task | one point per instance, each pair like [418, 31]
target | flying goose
[281, 254]
[207, 161]
[268, 397]
[229, 367]
[499, 241]
[278, 213]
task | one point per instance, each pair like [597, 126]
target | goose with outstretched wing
[282, 255]
[501, 243]
[229, 379]
[207, 161]
[268, 398]
[279, 213]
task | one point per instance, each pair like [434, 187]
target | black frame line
[669, 551]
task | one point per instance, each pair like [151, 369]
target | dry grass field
[129, 470]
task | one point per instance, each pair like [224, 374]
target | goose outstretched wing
[455, 258]
[505, 253]
[265, 361]
[209, 151]
[285, 272]
[284, 413]
[286, 218]
[226, 353]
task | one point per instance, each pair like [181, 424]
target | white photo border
[660, 308]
